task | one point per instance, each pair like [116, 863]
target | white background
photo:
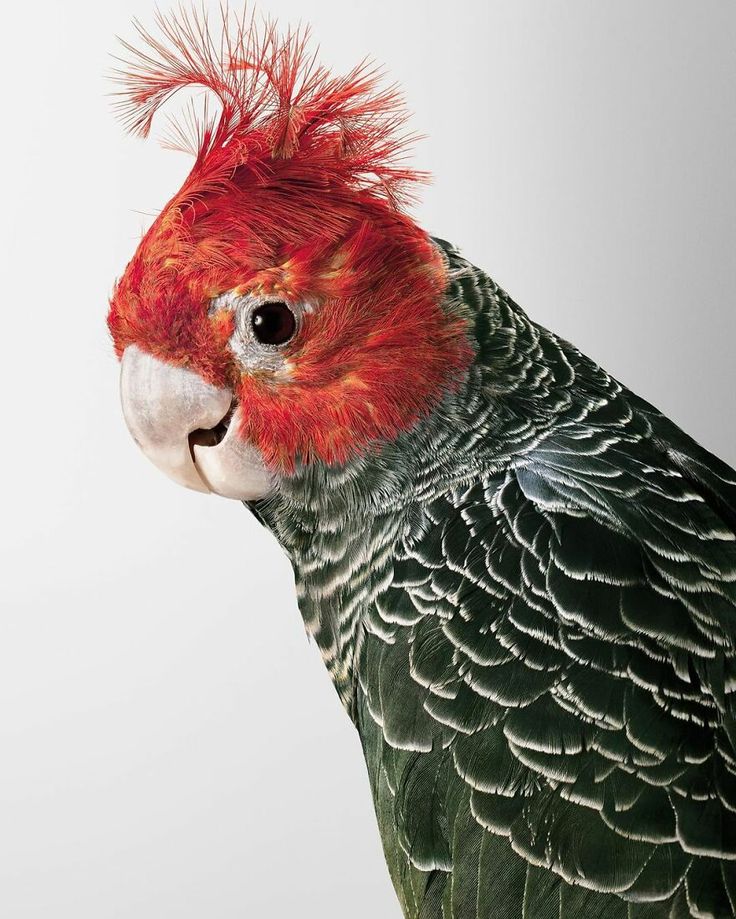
[169, 743]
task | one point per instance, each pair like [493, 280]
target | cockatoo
[520, 575]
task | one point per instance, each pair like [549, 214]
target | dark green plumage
[528, 606]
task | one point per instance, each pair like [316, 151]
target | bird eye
[273, 323]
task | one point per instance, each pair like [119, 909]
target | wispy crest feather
[277, 102]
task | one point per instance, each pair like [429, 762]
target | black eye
[273, 323]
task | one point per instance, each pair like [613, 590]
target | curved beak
[188, 428]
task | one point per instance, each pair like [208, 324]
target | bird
[520, 575]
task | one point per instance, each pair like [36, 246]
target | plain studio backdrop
[170, 745]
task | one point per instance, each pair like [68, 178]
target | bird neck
[341, 564]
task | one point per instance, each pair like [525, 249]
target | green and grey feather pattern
[528, 606]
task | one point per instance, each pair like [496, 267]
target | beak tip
[161, 405]
[164, 404]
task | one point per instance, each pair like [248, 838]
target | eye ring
[273, 323]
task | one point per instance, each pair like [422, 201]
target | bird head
[282, 311]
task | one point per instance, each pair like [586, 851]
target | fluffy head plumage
[296, 192]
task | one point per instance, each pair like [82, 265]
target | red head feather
[295, 192]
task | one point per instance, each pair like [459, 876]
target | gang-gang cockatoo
[520, 575]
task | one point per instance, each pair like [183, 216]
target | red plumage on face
[295, 192]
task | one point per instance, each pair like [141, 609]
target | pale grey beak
[187, 428]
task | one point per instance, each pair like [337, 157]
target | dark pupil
[273, 323]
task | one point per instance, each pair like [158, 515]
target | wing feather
[571, 668]
[548, 682]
